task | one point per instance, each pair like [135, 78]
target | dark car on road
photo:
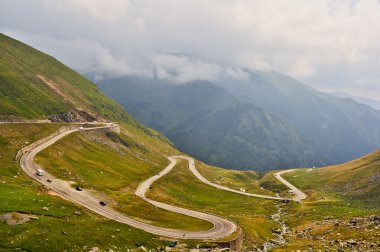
[78, 188]
[102, 203]
[173, 244]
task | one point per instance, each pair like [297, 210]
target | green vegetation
[181, 188]
[96, 162]
[250, 181]
[336, 194]
[35, 85]
[357, 180]
[64, 226]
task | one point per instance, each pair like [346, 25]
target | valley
[270, 120]
[187, 195]
[221, 228]
[107, 182]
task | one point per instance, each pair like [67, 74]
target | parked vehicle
[78, 188]
[172, 244]
[102, 203]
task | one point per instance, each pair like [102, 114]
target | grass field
[58, 228]
[250, 181]
[318, 214]
[180, 187]
[114, 164]
[336, 194]
[356, 180]
[96, 162]
[23, 94]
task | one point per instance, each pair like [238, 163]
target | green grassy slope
[113, 168]
[250, 181]
[180, 187]
[25, 95]
[336, 195]
[96, 162]
[358, 179]
[318, 214]
[113, 165]
[64, 226]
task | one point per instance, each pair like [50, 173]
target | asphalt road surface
[221, 227]
[298, 194]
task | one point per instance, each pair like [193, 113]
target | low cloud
[182, 69]
[110, 11]
[326, 43]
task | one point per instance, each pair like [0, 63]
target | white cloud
[306, 39]
[109, 10]
[182, 69]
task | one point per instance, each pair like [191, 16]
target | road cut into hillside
[221, 227]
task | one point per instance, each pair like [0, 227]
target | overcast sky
[333, 45]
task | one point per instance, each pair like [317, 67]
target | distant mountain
[266, 121]
[206, 121]
[337, 130]
[370, 102]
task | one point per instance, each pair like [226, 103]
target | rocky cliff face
[76, 115]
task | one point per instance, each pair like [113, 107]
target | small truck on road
[40, 172]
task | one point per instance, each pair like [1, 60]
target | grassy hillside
[341, 205]
[250, 181]
[61, 225]
[357, 180]
[325, 216]
[180, 187]
[113, 165]
[35, 85]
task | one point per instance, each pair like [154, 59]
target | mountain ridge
[201, 112]
[375, 104]
[318, 129]
[115, 163]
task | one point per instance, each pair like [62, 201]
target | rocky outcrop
[76, 115]
[363, 235]
[279, 233]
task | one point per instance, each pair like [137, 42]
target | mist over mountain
[189, 125]
[265, 121]
[370, 102]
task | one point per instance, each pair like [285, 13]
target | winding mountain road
[298, 194]
[221, 227]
